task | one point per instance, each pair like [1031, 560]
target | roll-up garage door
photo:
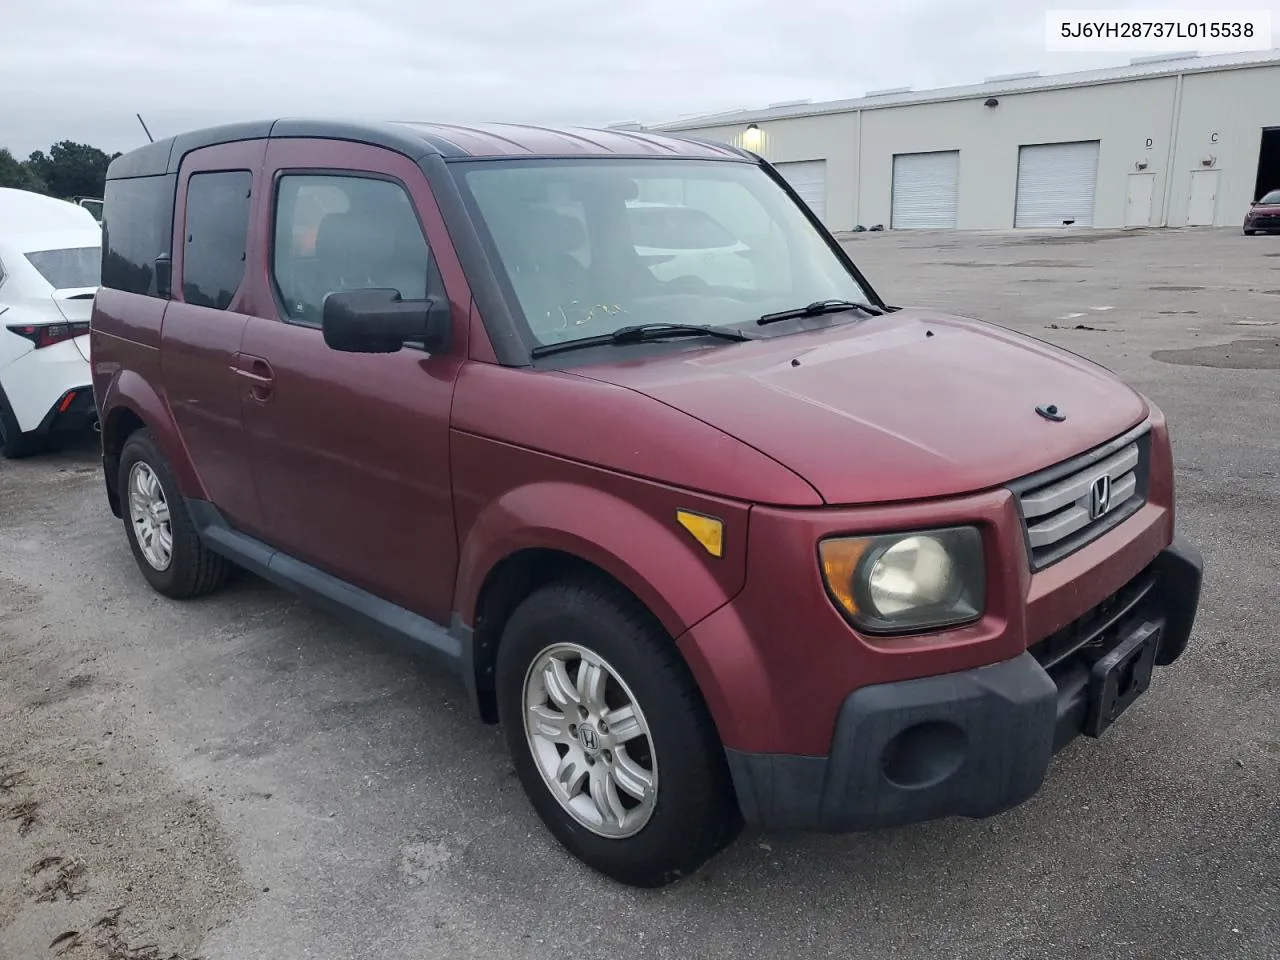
[1056, 184]
[809, 179]
[926, 190]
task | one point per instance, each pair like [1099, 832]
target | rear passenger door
[351, 451]
[200, 339]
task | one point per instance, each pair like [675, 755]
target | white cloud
[80, 69]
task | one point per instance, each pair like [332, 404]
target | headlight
[906, 581]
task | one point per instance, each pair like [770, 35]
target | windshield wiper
[639, 333]
[817, 308]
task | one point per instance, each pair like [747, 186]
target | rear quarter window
[68, 268]
[137, 227]
[216, 227]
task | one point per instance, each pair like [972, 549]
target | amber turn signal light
[840, 560]
[708, 531]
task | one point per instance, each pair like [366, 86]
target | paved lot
[245, 777]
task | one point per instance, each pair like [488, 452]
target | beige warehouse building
[1168, 141]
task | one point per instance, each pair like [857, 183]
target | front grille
[1099, 629]
[1266, 223]
[1069, 654]
[1069, 505]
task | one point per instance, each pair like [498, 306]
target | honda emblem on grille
[1100, 496]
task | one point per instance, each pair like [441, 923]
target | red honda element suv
[611, 427]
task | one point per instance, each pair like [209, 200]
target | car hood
[1265, 210]
[905, 406]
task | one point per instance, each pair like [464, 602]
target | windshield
[72, 267]
[662, 226]
[1272, 197]
[588, 246]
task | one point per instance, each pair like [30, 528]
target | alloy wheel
[149, 514]
[590, 740]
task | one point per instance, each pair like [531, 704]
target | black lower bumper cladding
[979, 742]
[74, 412]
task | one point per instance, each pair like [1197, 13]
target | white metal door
[808, 178]
[926, 190]
[1056, 184]
[1203, 204]
[1137, 204]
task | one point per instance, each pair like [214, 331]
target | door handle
[262, 379]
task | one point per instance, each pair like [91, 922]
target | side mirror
[379, 321]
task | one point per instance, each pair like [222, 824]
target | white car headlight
[907, 581]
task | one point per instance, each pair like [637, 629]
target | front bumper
[976, 742]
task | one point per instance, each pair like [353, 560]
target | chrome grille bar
[1069, 505]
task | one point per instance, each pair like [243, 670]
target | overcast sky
[80, 69]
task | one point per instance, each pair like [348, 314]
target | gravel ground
[246, 777]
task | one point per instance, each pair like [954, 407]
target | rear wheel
[14, 444]
[163, 539]
[610, 736]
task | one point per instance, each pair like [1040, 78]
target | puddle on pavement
[1081, 236]
[1236, 355]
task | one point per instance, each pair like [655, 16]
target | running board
[413, 632]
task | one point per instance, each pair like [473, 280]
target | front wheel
[610, 736]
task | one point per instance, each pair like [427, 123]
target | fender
[129, 391]
[635, 540]
[735, 682]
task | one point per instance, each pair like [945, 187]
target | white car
[50, 262]
[678, 241]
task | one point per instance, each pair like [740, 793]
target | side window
[339, 233]
[137, 227]
[217, 224]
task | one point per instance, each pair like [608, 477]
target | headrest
[549, 233]
[354, 236]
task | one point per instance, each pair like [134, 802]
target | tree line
[67, 171]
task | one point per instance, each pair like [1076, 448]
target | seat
[360, 250]
[551, 283]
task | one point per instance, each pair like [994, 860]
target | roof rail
[1029, 75]
[1164, 57]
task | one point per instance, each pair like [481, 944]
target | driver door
[351, 451]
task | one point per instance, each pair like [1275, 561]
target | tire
[14, 444]
[192, 568]
[1250, 233]
[693, 813]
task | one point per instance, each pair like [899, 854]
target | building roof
[1143, 68]
[418, 140]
